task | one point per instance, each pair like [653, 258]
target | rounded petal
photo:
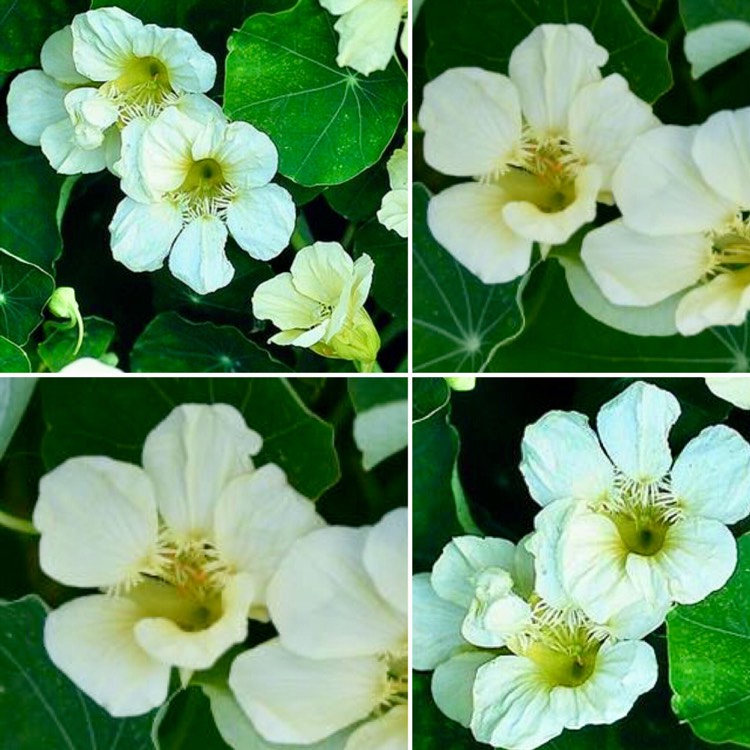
[387, 732]
[562, 458]
[660, 190]
[322, 271]
[191, 457]
[279, 301]
[290, 698]
[386, 558]
[638, 269]
[711, 477]
[35, 101]
[257, 519]
[339, 7]
[247, 156]
[364, 268]
[297, 337]
[436, 625]
[92, 641]
[467, 220]
[261, 220]
[57, 58]
[723, 301]
[98, 522]
[472, 122]
[198, 258]
[634, 429]
[549, 68]
[393, 213]
[142, 234]
[60, 146]
[324, 603]
[732, 388]
[455, 572]
[367, 35]
[453, 684]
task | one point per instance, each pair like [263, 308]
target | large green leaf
[484, 33]
[458, 321]
[709, 659]
[59, 347]
[329, 123]
[91, 417]
[12, 357]
[362, 196]
[40, 707]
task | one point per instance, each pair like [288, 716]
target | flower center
[204, 191]
[397, 681]
[143, 73]
[730, 246]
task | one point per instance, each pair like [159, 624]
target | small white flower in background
[190, 183]
[90, 367]
[182, 550]
[394, 210]
[684, 197]
[630, 528]
[339, 601]
[732, 388]
[562, 670]
[368, 30]
[541, 144]
[319, 304]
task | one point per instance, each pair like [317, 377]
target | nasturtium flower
[191, 181]
[623, 525]
[368, 30]
[541, 144]
[684, 194]
[339, 601]
[394, 210]
[319, 304]
[557, 669]
[732, 388]
[182, 551]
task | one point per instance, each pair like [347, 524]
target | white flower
[181, 549]
[562, 671]
[367, 32]
[190, 181]
[320, 304]
[684, 196]
[339, 601]
[541, 145]
[88, 366]
[732, 388]
[630, 527]
[394, 210]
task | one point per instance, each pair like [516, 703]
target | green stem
[367, 367]
[348, 237]
[16, 524]
[298, 241]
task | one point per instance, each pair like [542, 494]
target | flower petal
[261, 220]
[60, 146]
[291, 698]
[279, 301]
[367, 35]
[453, 684]
[57, 58]
[387, 732]
[723, 301]
[732, 388]
[324, 603]
[386, 558]
[634, 429]
[296, 337]
[191, 456]
[472, 122]
[98, 522]
[321, 271]
[35, 101]
[198, 258]
[436, 625]
[247, 156]
[467, 220]
[393, 213]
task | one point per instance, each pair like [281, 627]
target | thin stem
[16, 524]
[348, 237]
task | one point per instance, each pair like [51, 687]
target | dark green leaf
[430, 394]
[12, 357]
[361, 197]
[59, 348]
[368, 392]
[24, 292]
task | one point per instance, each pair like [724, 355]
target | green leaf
[366, 393]
[485, 32]
[329, 123]
[12, 357]
[40, 707]
[59, 348]
[172, 344]
[361, 197]
[709, 659]
[91, 417]
[458, 321]
[430, 394]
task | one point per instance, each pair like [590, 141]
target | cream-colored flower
[339, 601]
[732, 388]
[394, 210]
[181, 549]
[541, 144]
[320, 304]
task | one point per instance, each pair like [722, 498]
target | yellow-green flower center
[204, 191]
[569, 668]
[731, 247]
[642, 534]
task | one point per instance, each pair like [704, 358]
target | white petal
[98, 522]
[648, 579]
[248, 157]
[88, 366]
[382, 431]
[103, 42]
[638, 619]
[634, 429]
[436, 625]
[339, 7]
[472, 122]
[398, 169]
[200, 108]
[549, 67]
[387, 732]
[60, 146]
[711, 477]
[638, 269]
[257, 519]
[291, 698]
[562, 458]
[142, 234]
[455, 572]
[364, 268]
[57, 58]
[386, 558]
[660, 189]
[279, 301]
[322, 271]
[170, 644]
[732, 388]
[453, 684]
[128, 165]
[467, 220]
[724, 300]
[198, 258]
[324, 603]
[393, 213]
[261, 220]
[35, 101]
[367, 35]
[92, 641]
